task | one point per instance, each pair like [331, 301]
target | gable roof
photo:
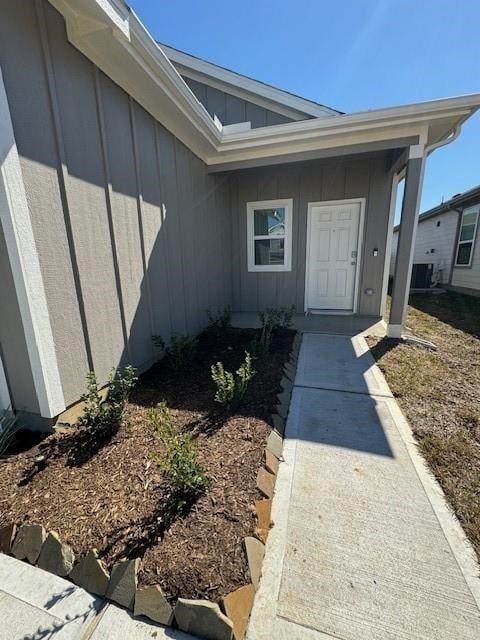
[471, 196]
[237, 84]
[113, 38]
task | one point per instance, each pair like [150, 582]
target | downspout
[441, 143]
[428, 150]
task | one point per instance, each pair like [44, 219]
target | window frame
[472, 241]
[287, 204]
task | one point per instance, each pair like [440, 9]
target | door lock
[353, 263]
[354, 254]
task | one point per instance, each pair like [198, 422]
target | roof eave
[112, 36]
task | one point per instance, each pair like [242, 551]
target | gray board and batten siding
[231, 109]
[133, 234]
[361, 176]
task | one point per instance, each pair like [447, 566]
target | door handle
[353, 263]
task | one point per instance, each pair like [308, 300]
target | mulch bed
[113, 499]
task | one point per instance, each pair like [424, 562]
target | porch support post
[406, 240]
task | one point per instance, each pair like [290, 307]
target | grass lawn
[439, 392]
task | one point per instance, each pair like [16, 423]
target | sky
[351, 55]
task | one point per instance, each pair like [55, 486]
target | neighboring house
[140, 186]
[447, 251]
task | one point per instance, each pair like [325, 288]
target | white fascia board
[245, 87]
[25, 266]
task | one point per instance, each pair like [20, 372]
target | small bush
[222, 321]
[8, 429]
[232, 388]
[181, 350]
[103, 417]
[179, 464]
[272, 321]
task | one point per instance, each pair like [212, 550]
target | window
[466, 238]
[269, 235]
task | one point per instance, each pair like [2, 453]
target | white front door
[332, 247]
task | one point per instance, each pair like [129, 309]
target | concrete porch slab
[349, 325]
[339, 363]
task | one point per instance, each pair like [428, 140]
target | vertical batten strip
[167, 274]
[108, 201]
[63, 174]
[140, 214]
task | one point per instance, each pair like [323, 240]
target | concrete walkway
[36, 605]
[364, 546]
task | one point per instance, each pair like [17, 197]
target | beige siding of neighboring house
[468, 278]
[133, 234]
[434, 244]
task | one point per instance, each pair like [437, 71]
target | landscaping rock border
[201, 617]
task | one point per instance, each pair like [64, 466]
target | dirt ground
[439, 392]
[113, 499]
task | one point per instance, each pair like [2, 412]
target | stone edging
[203, 618]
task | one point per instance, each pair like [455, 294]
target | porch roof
[110, 34]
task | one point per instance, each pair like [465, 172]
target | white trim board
[25, 265]
[388, 248]
[361, 224]
[5, 400]
[242, 86]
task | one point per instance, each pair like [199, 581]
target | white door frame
[326, 203]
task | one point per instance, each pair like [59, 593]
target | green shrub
[8, 429]
[179, 464]
[181, 350]
[272, 320]
[222, 321]
[103, 417]
[232, 388]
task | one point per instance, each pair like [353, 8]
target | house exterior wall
[362, 176]
[434, 244]
[133, 235]
[467, 279]
[231, 109]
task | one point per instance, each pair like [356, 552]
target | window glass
[269, 251]
[269, 222]
[463, 255]
[467, 232]
[467, 236]
[269, 235]
[469, 217]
